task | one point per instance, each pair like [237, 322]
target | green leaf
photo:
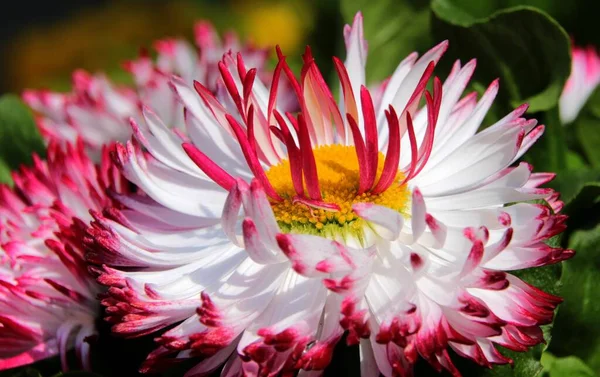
[577, 329]
[588, 135]
[568, 13]
[475, 9]
[593, 104]
[5, 170]
[393, 29]
[549, 153]
[587, 129]
[579, 189]
[19, 136]
[585, 135]
[575, 161]
[570, 366]
[515, 44]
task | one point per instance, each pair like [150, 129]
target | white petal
[388, 222]
[368, 364]
[418, 214]
[175, 189]
[315, 256]
[480, 199]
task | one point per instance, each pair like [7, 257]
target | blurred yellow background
[100, 36]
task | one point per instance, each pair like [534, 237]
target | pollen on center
[338, 172]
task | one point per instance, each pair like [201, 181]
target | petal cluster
[203, 254]
[98, 110]
[47, 297]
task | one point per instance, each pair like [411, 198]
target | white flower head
[376, 216]
[48, 300]
[98, 110]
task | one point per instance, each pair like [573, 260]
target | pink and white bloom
[371, 215]
[98, 111]
[584, 78]
[47, 297]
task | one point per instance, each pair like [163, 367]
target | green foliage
[513, 44]
[593, 104]
[526, 364]
[580, 190]
[565, 367]
[589, 136]
[19, 136]
[550, 153]
[587, 128]
[5, 176]
[393, 30]
[577, 329]
[473, 9]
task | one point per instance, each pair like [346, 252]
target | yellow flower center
[338, 171]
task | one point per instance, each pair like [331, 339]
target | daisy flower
[265, 235]
[584, 78]
[98, 111]
[47, 297]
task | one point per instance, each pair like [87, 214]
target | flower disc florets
[339, 178]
